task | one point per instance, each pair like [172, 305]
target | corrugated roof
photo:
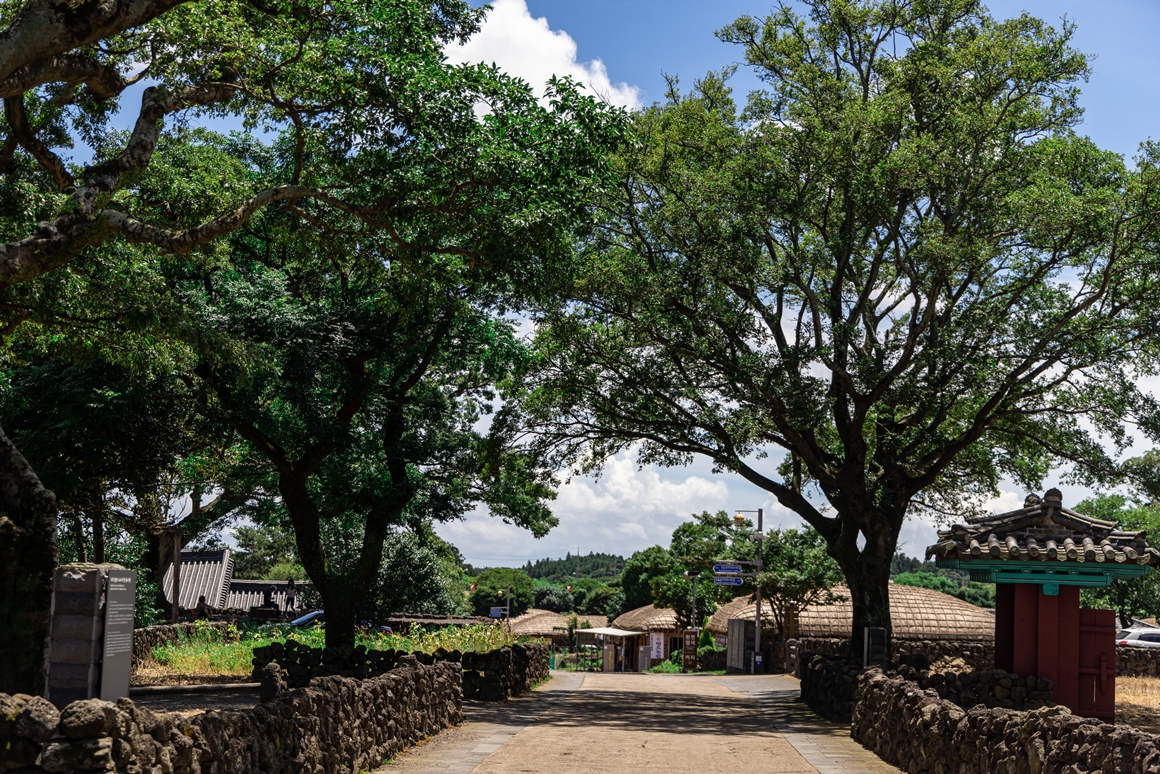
[649, 618]
[1043, 530]
[545, 623]
[246, 593]
[915, 614]
[203, 573]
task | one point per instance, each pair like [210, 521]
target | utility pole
[739, 520]
[757, 632]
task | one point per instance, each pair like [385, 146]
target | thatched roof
[649, 618]
[1043, 530]
[544, 623]
[916, 614]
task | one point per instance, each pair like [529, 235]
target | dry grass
[1138, 702]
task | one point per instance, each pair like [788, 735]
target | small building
[659, 633]
[1039, 557]
[923, 621]
[549, 625]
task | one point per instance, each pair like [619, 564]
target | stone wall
[974, 654]
[1137, 662]
[150, 637]
[829, 685]
[336, 724]
[920, 732]
[493, 676]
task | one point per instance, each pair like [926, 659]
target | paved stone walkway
[825, 746]
[697, 724]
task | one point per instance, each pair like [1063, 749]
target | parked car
[310, 619]
[1140, 638]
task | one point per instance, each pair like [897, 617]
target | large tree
[899, 266]
[378, 131]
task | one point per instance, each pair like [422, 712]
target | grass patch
[209, 652]
[666, 668]
[1138, 702]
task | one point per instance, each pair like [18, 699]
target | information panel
[117, 658]
[689, 656]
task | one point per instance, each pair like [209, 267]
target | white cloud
[528, 48]
[623, 511]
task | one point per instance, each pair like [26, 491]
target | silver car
[1140, 638]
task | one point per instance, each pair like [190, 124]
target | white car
[1140, 638]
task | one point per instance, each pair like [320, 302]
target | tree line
[892, 277]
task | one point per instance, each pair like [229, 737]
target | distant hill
[590, 566]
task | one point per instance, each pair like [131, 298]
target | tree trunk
[340, 605]
[867, 573]
[78, 531]
[28, 557]
[97, 518]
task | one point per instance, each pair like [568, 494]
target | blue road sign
[727, 580]
[727, 569]
[497, 612]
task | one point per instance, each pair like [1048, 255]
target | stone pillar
[78, 612]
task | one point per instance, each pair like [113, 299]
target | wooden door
[1097, 664]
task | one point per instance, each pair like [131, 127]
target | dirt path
[619, 722]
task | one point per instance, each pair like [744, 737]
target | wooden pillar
[1047, 655]
[1005, 627]
[1026, 651]
[1065, 682]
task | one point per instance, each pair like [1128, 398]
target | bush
[555, 598]
[489, 583]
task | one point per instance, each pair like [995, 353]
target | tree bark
[867, 572]
[97, 518]
[28, 558]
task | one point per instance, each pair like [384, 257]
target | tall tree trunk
[28, 557]
[97, 518]
[78, 532]
[867, 573]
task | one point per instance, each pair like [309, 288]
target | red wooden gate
[1097, 664]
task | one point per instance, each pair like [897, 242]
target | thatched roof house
[916, 614]
[649, 618]
[554, 626]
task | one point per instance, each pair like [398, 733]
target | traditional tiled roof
[545, 623]
[915, 614]
[1043, 530]
[203, 574]
[649, 618]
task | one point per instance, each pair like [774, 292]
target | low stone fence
[712, 660]
[150, 637]
[492, 676]
[920, 732]
[976, 654]
[1137, 661]
[336, 725]
[829, 685]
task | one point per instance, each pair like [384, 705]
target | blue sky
[623, 48]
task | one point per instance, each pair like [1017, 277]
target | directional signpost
[728, 580]
[726, 569]
[497, 612]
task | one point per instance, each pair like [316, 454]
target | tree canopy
[403, 207]
[898, 266]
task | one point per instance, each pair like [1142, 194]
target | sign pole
[757, 633]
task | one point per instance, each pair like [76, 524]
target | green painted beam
[1054, 574]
